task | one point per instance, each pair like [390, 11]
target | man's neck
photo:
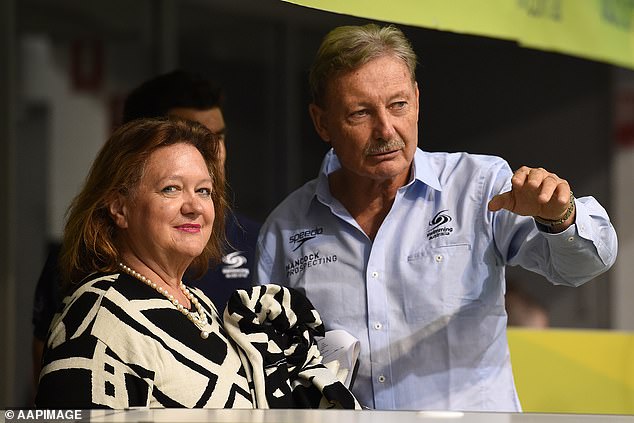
[367, 200]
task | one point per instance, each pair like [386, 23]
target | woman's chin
[188, 253]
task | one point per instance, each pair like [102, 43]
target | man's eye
[399, 104]
[359, 113]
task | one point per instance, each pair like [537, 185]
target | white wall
[79, 122]
[623, 200]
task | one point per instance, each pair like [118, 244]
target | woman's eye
[206, 192]
[170, 189]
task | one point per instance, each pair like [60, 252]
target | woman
[131, 334]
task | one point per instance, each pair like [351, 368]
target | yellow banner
[573, 371]
[601, 30]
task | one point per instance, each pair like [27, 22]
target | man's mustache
[383, 146]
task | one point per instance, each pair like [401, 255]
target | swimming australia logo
[438, 225]
[301, 237]
[232, 266]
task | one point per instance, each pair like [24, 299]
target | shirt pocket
[435, 283]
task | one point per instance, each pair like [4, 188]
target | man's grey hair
[349, 47]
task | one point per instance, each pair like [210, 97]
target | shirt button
[381, 379]
[438, 258]
[375, 275]
[570, 239]
[378, 326]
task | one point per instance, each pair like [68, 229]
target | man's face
[212, 119]
[370, 117]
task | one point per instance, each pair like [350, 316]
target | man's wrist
[551, 223]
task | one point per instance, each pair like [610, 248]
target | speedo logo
[300, 238]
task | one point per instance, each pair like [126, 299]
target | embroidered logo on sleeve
[233, 266]
[438, 225]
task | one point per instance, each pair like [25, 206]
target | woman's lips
[189, 227]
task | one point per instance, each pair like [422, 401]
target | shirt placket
[378, 326]
[377, 286]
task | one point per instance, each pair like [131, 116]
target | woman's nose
[192, 204]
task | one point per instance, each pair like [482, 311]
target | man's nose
[383, 127]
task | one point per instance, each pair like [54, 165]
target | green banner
[601, 30]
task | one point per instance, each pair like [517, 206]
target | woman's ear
[117, 206]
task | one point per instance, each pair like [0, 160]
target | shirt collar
[423, 166]
[329, 164]
[425, 171]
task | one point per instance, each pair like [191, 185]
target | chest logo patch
[438, 226]
[299, 238]
[233, 266]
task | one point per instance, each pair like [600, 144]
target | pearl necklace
[198, 318]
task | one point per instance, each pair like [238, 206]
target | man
[189, 96]
[406, 249]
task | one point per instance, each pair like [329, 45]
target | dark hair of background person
[178, 88]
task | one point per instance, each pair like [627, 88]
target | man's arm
[577, 240]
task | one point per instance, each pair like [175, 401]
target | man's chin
[387, 170]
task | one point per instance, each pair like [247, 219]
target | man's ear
[319, 121]
[117, 206]
[417, 100]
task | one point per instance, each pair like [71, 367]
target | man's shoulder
[452, 164]
[461, 157]
[296, 203]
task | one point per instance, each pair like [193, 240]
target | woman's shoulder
[90, 294]
[79, 308]
[110, 284]
[98, 305]
[94, 286]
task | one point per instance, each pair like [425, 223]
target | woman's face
[169, 217]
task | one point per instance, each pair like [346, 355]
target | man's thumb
[501, 201]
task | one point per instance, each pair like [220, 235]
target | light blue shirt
[426, 297]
